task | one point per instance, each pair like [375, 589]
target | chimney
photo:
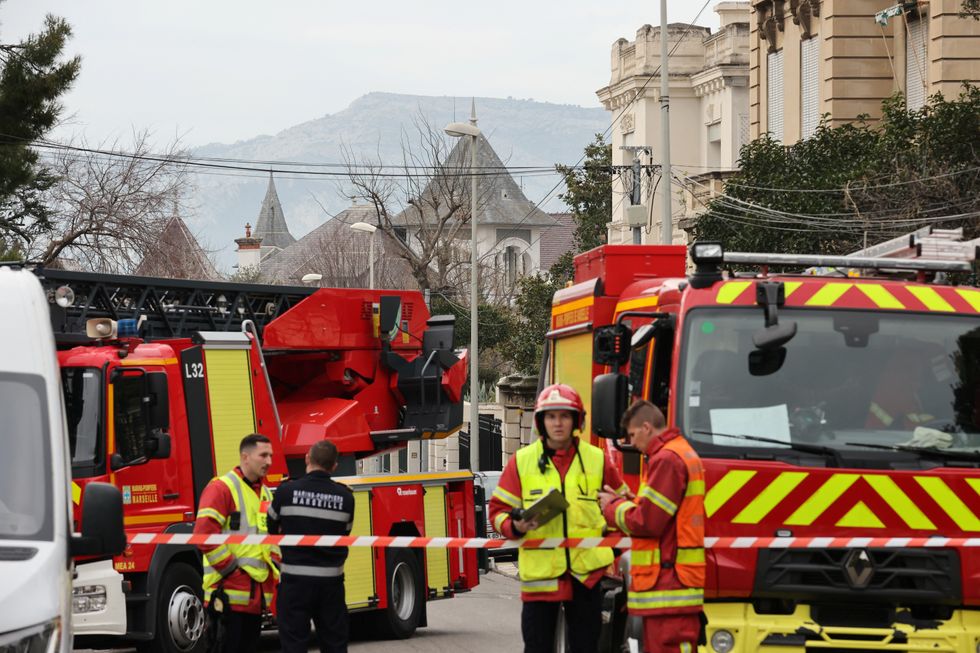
[249, 250]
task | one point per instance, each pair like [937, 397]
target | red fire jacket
[665, 473]
[218, 497]
[510, 482]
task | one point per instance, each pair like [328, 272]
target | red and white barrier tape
[617, 541]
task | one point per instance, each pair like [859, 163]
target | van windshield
[885, 378]
[25, 468]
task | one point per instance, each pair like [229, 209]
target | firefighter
[240, 578]
[312, 585]
[551, 578]
[666, 522]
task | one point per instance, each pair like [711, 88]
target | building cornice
[718, 78]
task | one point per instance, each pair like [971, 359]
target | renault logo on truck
[859, 568]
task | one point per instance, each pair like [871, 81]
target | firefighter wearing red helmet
[553, 577]
[666, 523]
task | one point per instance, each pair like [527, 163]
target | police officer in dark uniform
[312, 581]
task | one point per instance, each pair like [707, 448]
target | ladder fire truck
[162, 378]
[837, 412]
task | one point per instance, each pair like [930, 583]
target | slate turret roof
[271, 226]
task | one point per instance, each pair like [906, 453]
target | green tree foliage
[588, 194]
[496, 329]
[856, 183]
[971, 8]
[34, 76]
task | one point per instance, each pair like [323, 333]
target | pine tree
[33, 78]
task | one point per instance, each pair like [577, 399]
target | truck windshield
[887, 378]
[25, 469]
[83, 410]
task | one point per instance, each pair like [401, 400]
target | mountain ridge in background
[523, 133]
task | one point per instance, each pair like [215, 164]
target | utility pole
[636, 214]
[667, 234]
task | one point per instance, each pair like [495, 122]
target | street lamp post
[458, 130]
[366, 228]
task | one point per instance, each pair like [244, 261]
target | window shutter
[809, 85]
[775, 94]
[916, 64]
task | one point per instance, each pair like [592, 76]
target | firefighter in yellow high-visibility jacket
[246, 574]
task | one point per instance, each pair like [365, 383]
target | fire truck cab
[838, 418]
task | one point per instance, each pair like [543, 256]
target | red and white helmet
[558, 397]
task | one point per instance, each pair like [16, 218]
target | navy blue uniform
[312, 582]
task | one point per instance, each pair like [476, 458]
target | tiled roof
[504, 201]
[330, 250]
[557, 239]
[178, 255]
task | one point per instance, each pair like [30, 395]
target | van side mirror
[159, 404]
[102, 522]
[610, 399]
[611, 345]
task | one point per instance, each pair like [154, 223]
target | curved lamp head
[457, 129]
[364, 226]
[311, 277]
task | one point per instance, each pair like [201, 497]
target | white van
[36, 539]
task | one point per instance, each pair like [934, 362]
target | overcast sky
[228, 70]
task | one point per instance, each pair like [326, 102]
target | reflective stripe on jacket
[256, 560]
[539, 568]
[644, 598]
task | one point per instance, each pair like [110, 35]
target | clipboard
[546, 508]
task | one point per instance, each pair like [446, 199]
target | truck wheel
[180, 617]
[405, 595]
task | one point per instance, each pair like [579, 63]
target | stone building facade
[709, 119]
[843, 57]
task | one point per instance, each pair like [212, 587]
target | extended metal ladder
[174, 308]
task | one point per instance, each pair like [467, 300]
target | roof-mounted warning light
[707, 257]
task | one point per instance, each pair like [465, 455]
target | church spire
[271, 226]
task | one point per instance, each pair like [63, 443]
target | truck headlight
[722, 641]
[88, 598]
[43, 638]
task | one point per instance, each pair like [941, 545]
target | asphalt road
[486, 620]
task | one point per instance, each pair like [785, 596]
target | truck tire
[406, 595]
[180, 617]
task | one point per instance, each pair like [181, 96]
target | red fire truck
[844, 406]
[162, 379]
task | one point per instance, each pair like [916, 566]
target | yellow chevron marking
[822, 499]
[949, 502]
[76, 493]
[893, 495]
[729, 292]
[974, 483]
[829, 294]
[725, 489]
[972, 297]
[791, 287]
[640, 302]
[860, 516]
[931, 298]
[880, 295]
[769, 498]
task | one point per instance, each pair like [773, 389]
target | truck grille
[889, 576]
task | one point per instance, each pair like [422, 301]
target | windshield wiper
[820, 450]
[972, 455]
